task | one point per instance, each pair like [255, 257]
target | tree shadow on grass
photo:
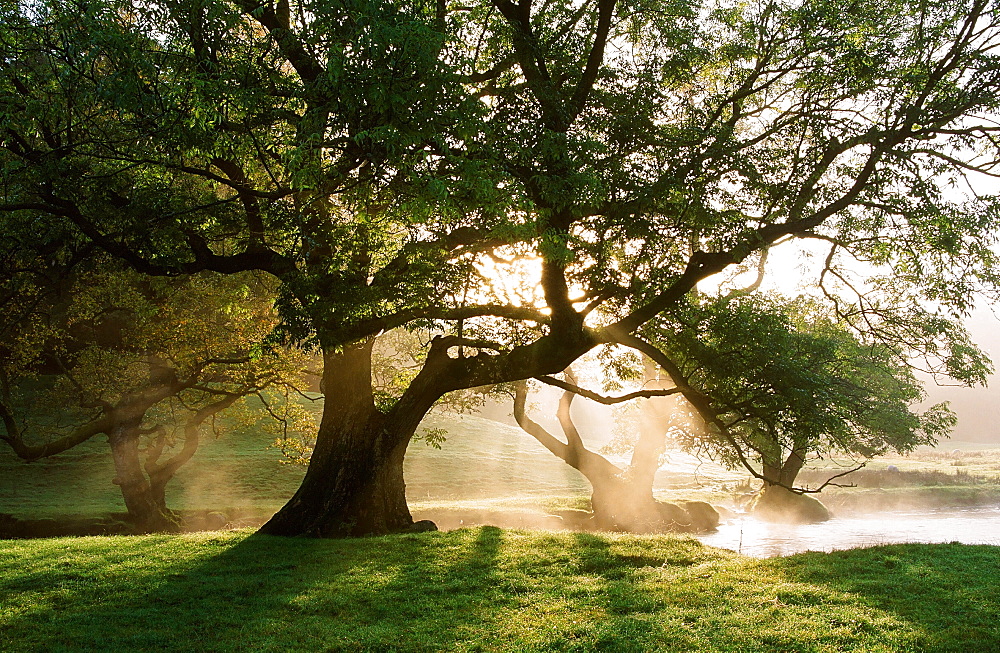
[633, 616]
[949, 592]
[943, 598]
[487, 589]
[263, 593]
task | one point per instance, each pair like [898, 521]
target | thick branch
[601, 399]
[14, 437]
[605, 9]
[265, 260]
[500, 68]
[192, 433]
[293, 50]
[533, 428]
[573, 438]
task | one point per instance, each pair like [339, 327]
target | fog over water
[749, 536]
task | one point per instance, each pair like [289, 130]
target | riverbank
[487, 589]
[749, 536]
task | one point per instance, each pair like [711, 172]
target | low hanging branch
[110, 415]
[829, 481]
[702, 403]
[602, 399]
[14, 436]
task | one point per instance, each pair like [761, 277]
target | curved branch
[192, 437]
[602, 399]
[361, 330]
[15, 437]
[534, 429]
[566, 420]
[575, 454]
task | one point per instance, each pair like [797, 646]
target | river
[749, 536]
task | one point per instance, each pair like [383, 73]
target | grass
[480, 589]
[485, 589]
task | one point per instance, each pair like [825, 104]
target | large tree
[374, 156]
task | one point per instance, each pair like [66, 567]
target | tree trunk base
[647, 515]
[339, 526]
[156, 521]
[378, 507]
[776, 504]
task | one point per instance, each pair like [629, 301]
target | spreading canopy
[771, 383]
[374, 156]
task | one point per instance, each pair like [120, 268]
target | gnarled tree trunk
[147, 513]
[354, 483]
[620, 499]
[784, 472]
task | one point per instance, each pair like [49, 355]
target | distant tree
[145, 363]
[808, 387]
[761, 384]
[387, 161]
[622, 498]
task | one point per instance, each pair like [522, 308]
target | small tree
[622, 499]
[144, 363]
[762, 384]
[807, 386]
[769, 384]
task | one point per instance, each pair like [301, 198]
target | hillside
[481, 459]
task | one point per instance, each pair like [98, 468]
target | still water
[979, 525]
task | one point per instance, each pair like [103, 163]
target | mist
[978, 409]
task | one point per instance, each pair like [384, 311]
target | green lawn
[473, 589]
[486, 589]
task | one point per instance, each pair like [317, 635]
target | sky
[978, 409]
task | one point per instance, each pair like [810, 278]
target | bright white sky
[978, 409]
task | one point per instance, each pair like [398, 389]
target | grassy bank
[485, 589]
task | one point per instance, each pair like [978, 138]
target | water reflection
[979, 525]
